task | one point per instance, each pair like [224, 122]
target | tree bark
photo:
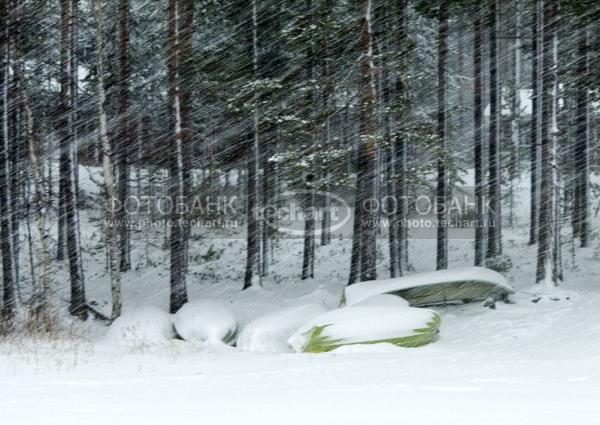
[534, 133]
[68, 178]
[581, 207]
[252, 275]
[123, 144]
[548, 258]
[442, 178]
[495, 223]
[177, 19]
[367, 153]
[8, 284]
[111, 195]
[40, 311]
[478, 140]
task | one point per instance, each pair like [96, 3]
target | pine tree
[581, 207]
[8, 284]
[252, 274]
[442, 178]
[478, 137]
[367, 151]
[123, 143]
[548, 259]
[534, 133]
[494, 245]
[68, 176]
[179, 18]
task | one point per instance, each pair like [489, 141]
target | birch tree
[110, 190]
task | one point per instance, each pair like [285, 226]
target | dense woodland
[375, 99]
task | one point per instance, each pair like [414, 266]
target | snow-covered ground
[522, 363]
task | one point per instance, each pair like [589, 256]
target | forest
[269, 153]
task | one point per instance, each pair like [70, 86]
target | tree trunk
[252, 275]
[68, 178]
[177, 180]
[495, 224]
[40, 310]
[8, 284]
[581, 207]
[442, 178]
[111, 217]
[534, 141]
[515, 114]
[124, 135]
[308, 207]
[367, 153]
[400, 140]
[548, 258]
[478, 139]
[308, 258]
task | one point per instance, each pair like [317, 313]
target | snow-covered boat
[466, 284]
[369, 324]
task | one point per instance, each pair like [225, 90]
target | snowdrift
[404, 327]
[441, 287]
[269, 334]
[205, 321]
[145, 326]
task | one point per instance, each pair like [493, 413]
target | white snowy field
[522, 363]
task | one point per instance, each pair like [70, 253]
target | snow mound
[405, 327]
[205, 320]
[440, 287]
[269, 334]
[145, 326]
[385, 300]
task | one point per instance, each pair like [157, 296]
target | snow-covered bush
[205, 320]
[145, 326]
[269, 334]
[499, 263]
[404, 327]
